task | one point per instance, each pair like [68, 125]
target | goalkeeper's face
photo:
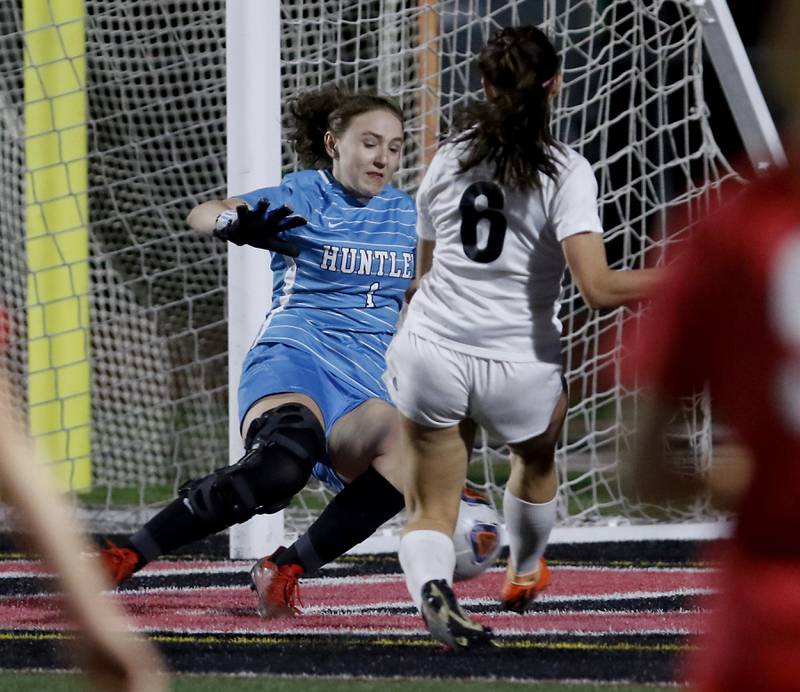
[367, 155]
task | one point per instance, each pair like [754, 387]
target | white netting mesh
[632, 103]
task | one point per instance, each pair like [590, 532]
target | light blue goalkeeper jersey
[356, 261]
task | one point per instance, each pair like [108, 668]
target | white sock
[528, 525]
[426, 555]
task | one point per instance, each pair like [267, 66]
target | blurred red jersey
[729, 314]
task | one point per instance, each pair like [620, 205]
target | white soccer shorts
[436, 386]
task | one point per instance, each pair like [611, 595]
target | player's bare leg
[529, 506]
[437, 468]
[368, 436]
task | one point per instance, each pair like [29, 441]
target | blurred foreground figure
[729, 316]
[113, 659]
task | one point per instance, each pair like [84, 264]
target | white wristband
[224, 219]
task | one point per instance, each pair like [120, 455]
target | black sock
[173, 527]
[350, 517]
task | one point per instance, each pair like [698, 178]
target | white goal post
[127, 330]
[254, 160]
[753, 119]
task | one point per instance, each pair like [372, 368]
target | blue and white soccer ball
[477, 537]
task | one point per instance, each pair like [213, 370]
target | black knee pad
[282, 446]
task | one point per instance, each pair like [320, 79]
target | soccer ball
[477, 537]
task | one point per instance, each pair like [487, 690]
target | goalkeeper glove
[259, 227]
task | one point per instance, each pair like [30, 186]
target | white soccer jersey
[495, 285]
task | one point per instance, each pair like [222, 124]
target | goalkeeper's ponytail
[329, 108]
[511, 129]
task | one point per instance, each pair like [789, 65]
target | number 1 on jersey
[374, 286]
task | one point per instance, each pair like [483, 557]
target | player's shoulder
[450, 152]
[771, 209]
[774, 189]
[299, 182]
[736, 201]
[391, 196]
[770, 204]
[310, 179]
[445, 171]
[568, 160]
[299, 191]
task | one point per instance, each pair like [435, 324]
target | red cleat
[118, 563]
[276, 586]
[520, 590]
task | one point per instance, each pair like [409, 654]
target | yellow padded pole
[57, 236]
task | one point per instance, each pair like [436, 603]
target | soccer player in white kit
[502, 209]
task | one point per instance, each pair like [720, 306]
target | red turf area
[592, 600]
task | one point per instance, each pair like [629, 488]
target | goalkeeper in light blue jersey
[311, 398]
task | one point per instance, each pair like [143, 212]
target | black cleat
[447, 622]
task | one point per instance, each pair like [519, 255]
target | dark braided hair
[511, 130]
[329, 108]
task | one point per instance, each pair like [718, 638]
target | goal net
[113, 128]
